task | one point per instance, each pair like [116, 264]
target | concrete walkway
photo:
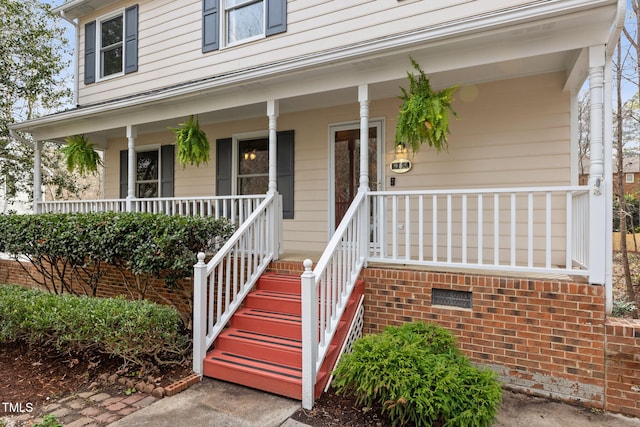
[213, 403]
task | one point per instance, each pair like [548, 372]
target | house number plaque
[401, 165]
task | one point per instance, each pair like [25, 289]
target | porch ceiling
[468, 57]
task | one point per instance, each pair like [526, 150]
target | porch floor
[293, 257]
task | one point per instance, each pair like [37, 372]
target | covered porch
[504, 199]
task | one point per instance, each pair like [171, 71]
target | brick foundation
[544, 337]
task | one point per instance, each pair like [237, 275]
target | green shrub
[136, 331]
[417, 375]
[622, 307]
[70, 251]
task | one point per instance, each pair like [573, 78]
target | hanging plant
[192, 143]
[424, 113]
[80, 155]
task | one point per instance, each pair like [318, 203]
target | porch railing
[540, 230]
[326, 290]
[221, 285]
[237, 208]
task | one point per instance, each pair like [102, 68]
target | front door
[345, 166]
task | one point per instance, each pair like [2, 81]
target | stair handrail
[326, 289]
[221, 285]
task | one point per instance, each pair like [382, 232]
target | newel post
[199, 313]
[309, 334]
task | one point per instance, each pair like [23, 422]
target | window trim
[213, 18]
[166, 175]
[235, 154]
[98, 46]
[224, 36]
[93, 51]
[629, 178]
[148, 149]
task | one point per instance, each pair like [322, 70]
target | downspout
[614, 35]
[76, 56]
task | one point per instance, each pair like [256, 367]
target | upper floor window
[630, 178]
[229, 22]
[244, 19]
[111, 45]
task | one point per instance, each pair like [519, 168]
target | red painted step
[262, 347]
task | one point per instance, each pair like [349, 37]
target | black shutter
[90, 53]
[223, 167]
[210, 25]
[167, 157]
[131, 39]
[124, 173]
[276, 17]
[285, 168]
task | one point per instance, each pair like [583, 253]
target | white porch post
[132, 133]
[199, 314]
[273, 112]
[363, 98]
[598, 194]
[37, 176]
[309, 334]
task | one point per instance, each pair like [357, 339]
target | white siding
[509, 133]
[170, 37]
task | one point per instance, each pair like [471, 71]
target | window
[630, 178]
[244, 19]
[229, 22]
[253, 166]
[153, 172]
[111, 45]
[250, 169]
[147, 176]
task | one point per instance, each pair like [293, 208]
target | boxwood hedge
[136, 331]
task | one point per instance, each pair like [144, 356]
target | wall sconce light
[250, 155]
[401, 151]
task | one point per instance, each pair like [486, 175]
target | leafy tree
[626, 128]
[33, 82]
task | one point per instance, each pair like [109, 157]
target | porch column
[363, 98]
[598, 194]
[132, 133]
[273, 112]
[37, 176]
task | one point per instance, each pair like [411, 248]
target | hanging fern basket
[424, 114]
[191, 142]
[80, 155]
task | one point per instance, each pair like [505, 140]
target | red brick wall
[544, 337]
[623, 366]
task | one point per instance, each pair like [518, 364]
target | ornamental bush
[418, 376]
[70, 251]
[135, 331]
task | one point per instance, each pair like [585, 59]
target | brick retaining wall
[623, 365]
[544, 337]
